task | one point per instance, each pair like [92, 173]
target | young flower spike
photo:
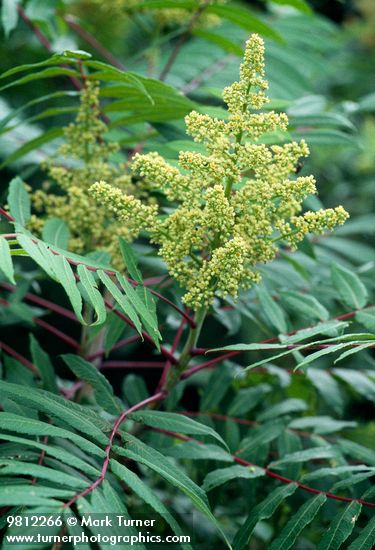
[234, 204]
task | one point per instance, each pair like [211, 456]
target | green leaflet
[327, 136]
[357, 451]
[134, 389]
[174, 422]
[349, 286]
[14, 467]
[359, 381]
[321, 424]
[272, 310]
[92, 294]
[19, 201]
[65, 276]
[138, 451]
[130, 260]
[247, 399]
[193, 450]
[298, 522]
[340, 470]
[51, 450]
[366, 539]
[75, 528]
[263, 510]
[367, 318]
[45, 73]
[120, 299]
[305, 305]
[244, 18]
[223, 475]
[326, 351]
[20, 424]
[285, 407]
[70, 413]
[305, 455]
[352, 351]
[32, 495]
[14, 112]
[350, 481]
[140, 308]
[34, 250]
[140, 488]
[56, 232]
[105, 500]
[216, 388]
[6, 264]
[260, 436]
[289, 442]
[300, 5]
[42, 361]
[328, 388]
[33, 144]
[102, 388]
[341, 527]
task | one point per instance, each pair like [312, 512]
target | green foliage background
[269, 439]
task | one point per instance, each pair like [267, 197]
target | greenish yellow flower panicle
[83, 159]
[234, 203]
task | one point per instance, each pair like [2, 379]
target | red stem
[58, 333]
[6, 215]
[157, 397]
[207, 364]
[25, 362]
[272, 474]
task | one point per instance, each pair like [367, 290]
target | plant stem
[175, 373]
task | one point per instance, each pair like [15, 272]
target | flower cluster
[84, 158]
[235, 203]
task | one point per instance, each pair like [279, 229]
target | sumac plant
[173, 304]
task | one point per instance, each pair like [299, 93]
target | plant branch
[268, 472]
[6, 215]
[154, 398]
[13, 353]
[58, 333]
